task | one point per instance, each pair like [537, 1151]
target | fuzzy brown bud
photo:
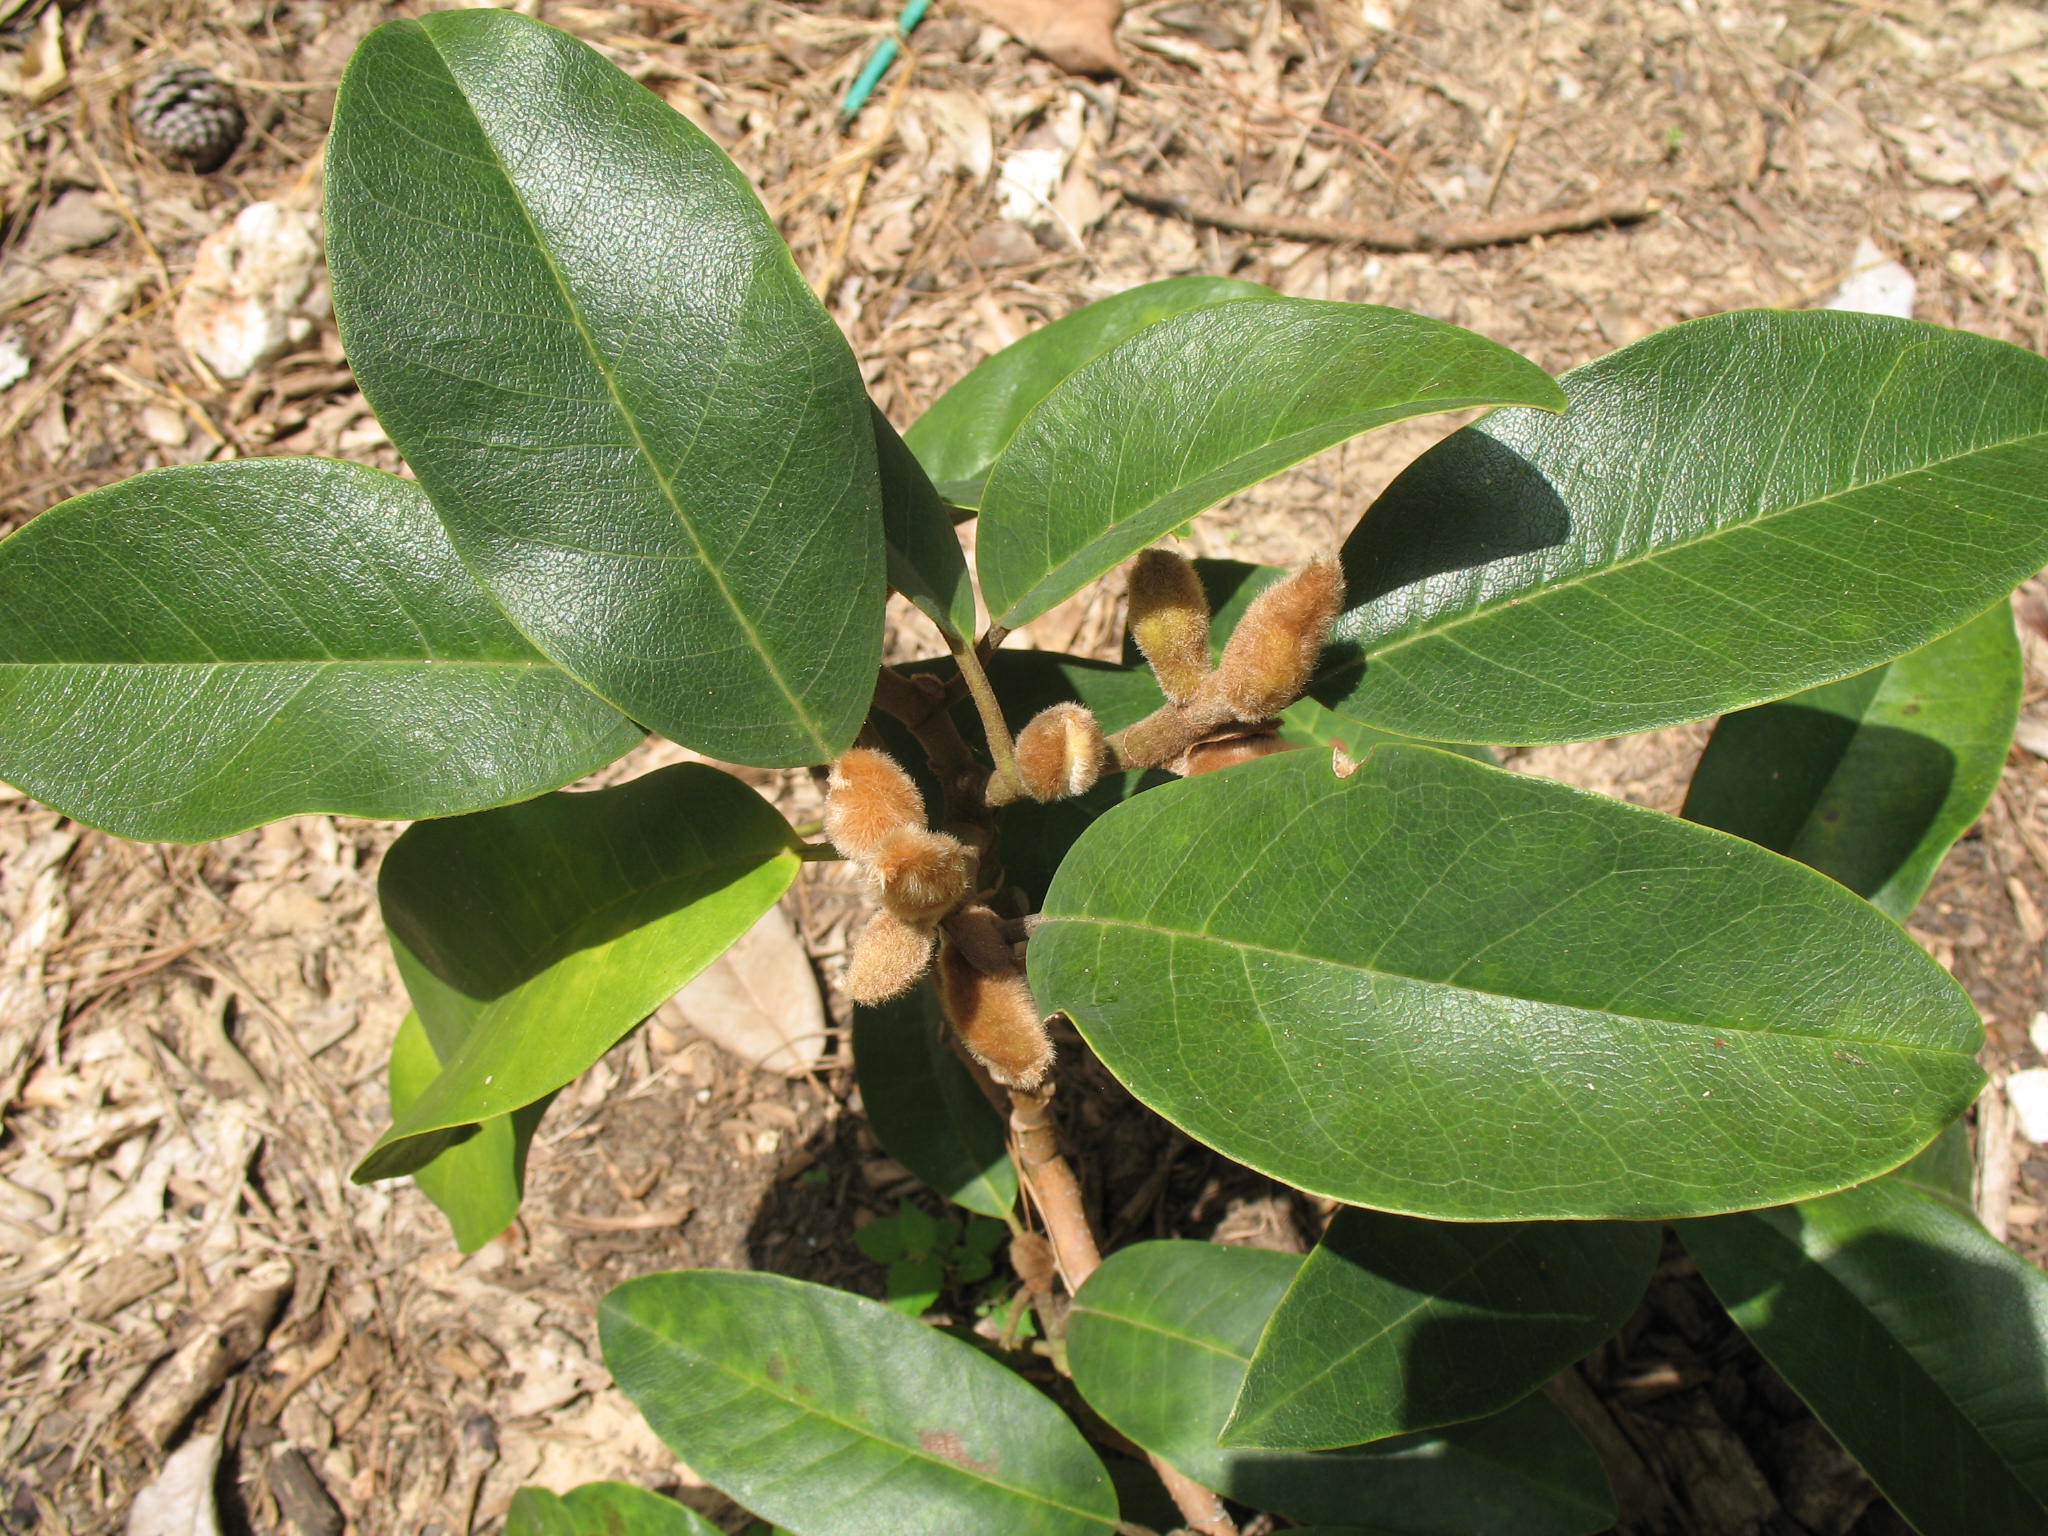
[921, 876]
[887, 959]
[1227, 751]
[1061, 753]
[1169, 620]
[996, 1018]
[1272, 652]
[868, 799]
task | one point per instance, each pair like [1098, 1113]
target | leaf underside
[533, 938]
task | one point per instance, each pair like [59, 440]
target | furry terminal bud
[867, 799]
[1061, 753]
[887, 959]
[1169, 619]
[996, 1018]
[920, 875]
[1272, 652]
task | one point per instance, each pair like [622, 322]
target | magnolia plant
[1267, 867]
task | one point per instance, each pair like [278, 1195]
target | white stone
[2037, 1033]
[1875, 285]
[2027, 1093]
[165, 427]
[13, 359]
[250, 282]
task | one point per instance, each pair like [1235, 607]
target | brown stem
[1054, 1189]
[1458, 235]
[1203, 1511]
[1057, 1193]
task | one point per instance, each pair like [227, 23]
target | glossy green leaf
[1201, 405]
[1732, 510]
[602, 1509]
[829, 1414]
[537, 936]
[200, 649]
[1872, 778]
[924, 1108]
[1917, 1338]
[1945, 1171]
[643, 433]
[967, 427]
[1441, 988]
[1159, 1337]
[1395, 1325]
[926, 563]
[478, 1182]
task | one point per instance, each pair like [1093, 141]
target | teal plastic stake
[879, 61]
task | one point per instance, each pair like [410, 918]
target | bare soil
[193, 1040]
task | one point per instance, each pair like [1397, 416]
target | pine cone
[188, 117]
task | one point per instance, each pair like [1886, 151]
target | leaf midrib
[1338, 1362]
[611, 384]
[915, 1453]
[1527, 596]
[1248, 947]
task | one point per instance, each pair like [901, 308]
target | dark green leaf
[834, 1416]
[479, 1182]
[1159, 1337]
[1440, 988]
[1203, 404]
[645, 436]
[967, 427]
[925, 1109]
[1732, 510]
[926, 563]
[1944, 1171]
[200, 649]
[1870, 779]
[533, 938]
[1915, 1337]
[602, 1509]
[1395, 1325]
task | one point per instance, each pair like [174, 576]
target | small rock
[163, 426]
[2027, 1093]
[2037, 1033]
[250, 281]
[1875, 286]
[13, 359]
[2032, 734]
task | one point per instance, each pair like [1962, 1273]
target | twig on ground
[1385, 235]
